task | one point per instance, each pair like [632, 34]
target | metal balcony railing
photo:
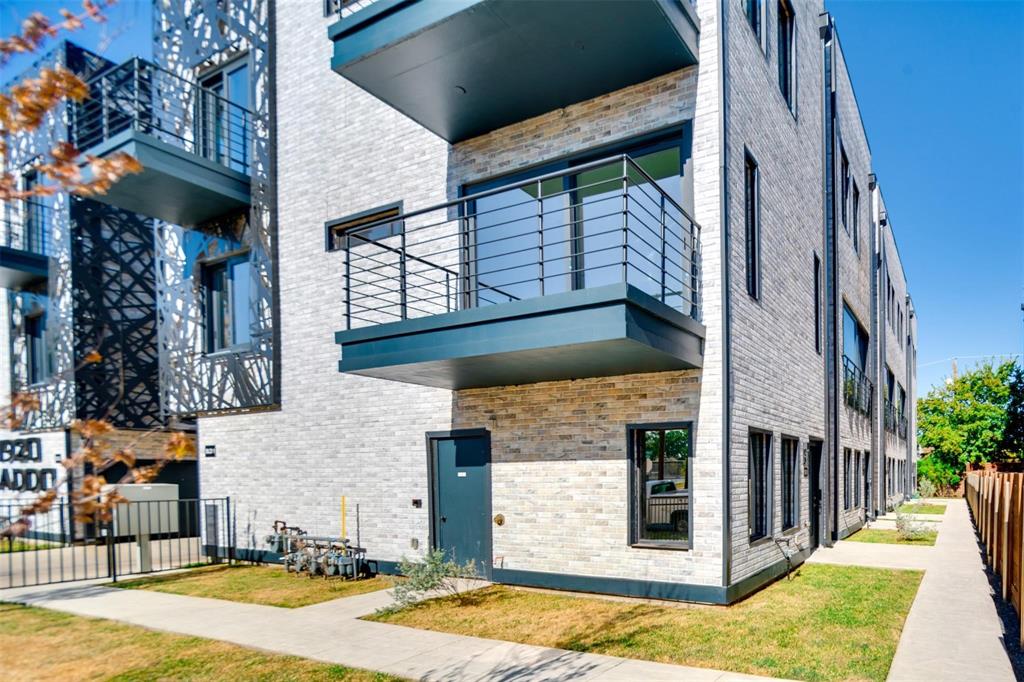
[140, 96]
[857, 388]
[600, 223]
[26, 226]
[895, 421]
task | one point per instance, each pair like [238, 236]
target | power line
[969, 357]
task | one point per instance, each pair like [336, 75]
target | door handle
[444, 519]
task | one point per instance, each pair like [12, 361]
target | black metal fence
[26, 225]
[141, 537]
[140, 96]
[600, 223]
[857, 388]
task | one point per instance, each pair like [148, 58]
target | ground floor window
[661, 483]
[790, 483]
[759, 485]
[847, 462]
[856, 478]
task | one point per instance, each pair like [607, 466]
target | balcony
[895, 421]
[194, 146]
[25, 228]
[857, 389]
[462, 68]
[588, 273]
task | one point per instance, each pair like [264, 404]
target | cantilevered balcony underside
[588, 272]
[607, 331]
[464, 67]
[20, 268]
[25, 228]
[194, 145]
[174, 185]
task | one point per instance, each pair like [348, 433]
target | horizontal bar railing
[600, 223]
[140, 96]
[857, 388]
[27, 225]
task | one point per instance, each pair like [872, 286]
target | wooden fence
[997, 504]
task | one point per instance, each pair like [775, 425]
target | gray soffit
[462, 68]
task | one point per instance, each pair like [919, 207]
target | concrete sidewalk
[331, 632]
[952, 631]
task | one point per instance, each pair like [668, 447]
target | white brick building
[612, 289]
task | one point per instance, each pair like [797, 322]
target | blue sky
[941, 92]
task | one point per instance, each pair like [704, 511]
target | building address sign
[24, 479]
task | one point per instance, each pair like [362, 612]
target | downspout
[878, 343]
[832, 383]
[723, 174]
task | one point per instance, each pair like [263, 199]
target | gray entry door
[461, 487]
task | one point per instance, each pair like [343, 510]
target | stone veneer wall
[560, 477]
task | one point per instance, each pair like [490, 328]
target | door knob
[444, 519]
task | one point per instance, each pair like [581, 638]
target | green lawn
[267, 585]
[46, 645]
[827, 623]
[922, 508]
[6, 546]
[891, 537]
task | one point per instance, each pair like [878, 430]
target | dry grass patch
[892, 537]
[826, 623]
[266, 585]
[39, 644]
[922, 508]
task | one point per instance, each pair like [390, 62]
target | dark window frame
[338, 232]
[207, 269]
[790, 471]
[636, 502]
[817, 303]
[760, 498]
[844, 187]
[855, 218]
[847, 466]
[786, 52]
[754, 12]
[752, 224]
[38, 359]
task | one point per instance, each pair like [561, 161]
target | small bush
[435, 573]
[926, 488]
[909, 530]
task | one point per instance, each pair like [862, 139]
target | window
[844, 206]
[759, 483]
[751, 213]
[38, 358]
[855, 475]
[855, 340]
[224, 120]
[364, 227]
[855, 220]
[661, 484]
[786, 49]
[866, 473]
[790, 483]
[227, 284]
[817, 304]
[752, 8]
[847, 469]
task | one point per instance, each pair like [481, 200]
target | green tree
[1013, 436]
[964, 422]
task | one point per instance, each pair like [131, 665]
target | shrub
[435, 573]
[907, 529]
[926, 488]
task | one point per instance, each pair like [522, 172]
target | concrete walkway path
[331, 632]
[952, 631]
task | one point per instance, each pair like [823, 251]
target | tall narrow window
[786, 49]
[752, 213]
[752, 8]
[817, 304]
[227, 285]
[847, 467]
[855, 475]
[37, 355]
[661, 484]
[844, 205]
[224, 125]
[855, 218]
[759, 485]
[790, 483]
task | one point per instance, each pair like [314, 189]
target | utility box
[151, 509]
